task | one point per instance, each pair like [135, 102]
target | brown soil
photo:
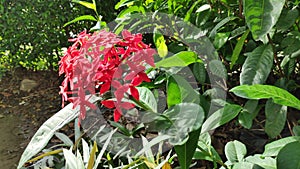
[22, 112]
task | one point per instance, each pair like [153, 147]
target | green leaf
[72, 162]
[275, 118]
[264, 162]
[243, 165]
[238, 48]
[209, 152]
[186, 151]
[147, 98]
[257, 66]
[180, 59]
[289, 156]
[179, 90]
[296, 130]
[220, 117]
[122, 3]
[261, 16]
[273, 148]
[235, 151]
[221, 39]
[190, 11]
[47, 130]
[218, 69]
[249, 112]
[160, 44]
[81, 18]
[199, 72]
[87, 4]
[287, 19]
[64, 138]
[184, 118]
[219, 25]
[279, 96]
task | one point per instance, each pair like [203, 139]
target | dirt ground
[22, 112]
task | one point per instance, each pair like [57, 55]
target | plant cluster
[217, 62]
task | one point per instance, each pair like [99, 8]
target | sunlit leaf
[279, 96]
[180, 59]
[238, 48]
[257, 66]
[261, 16]
[81, 18]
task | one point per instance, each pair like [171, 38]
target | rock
[27, 85]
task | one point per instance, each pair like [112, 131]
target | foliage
[32, 32]
[248, 55]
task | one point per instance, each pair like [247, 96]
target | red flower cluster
[101, 62]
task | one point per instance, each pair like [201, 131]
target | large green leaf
[180, 59]
[273, 148]
[48, 129]
[220, 117]
[261, 16]
[279, 96]
[275, 118]
[257, 66]
[289, 156]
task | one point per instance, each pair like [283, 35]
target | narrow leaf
[238, 48]
[261, 16]
[279, 96]
[87, 4]
[81, 18]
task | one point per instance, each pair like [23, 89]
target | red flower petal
[134, 93]
[108, 103]
[117, 115]
[127, 105]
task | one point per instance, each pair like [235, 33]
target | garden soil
[23, 111]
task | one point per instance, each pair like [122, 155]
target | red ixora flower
[102, 62]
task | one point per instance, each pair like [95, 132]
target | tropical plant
[214, 65]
